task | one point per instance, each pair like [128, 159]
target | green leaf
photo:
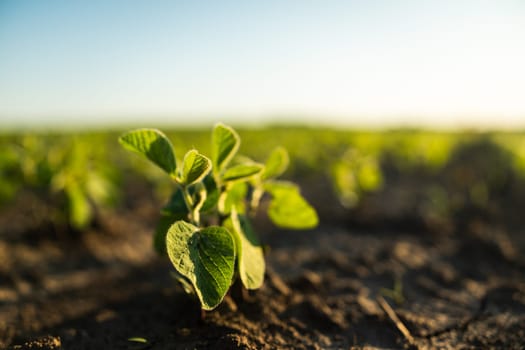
[345, 184]
[288, 209]
[276, 164]
[250, 257]
[212, 194]
[225, 144]
[369, 176]
[242, 172]
[99, 188]
[79, 207]
[152, 144]
[280, 188]
[206, 257]
[195, 167]
[235, 197]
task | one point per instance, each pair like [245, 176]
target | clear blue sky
[359, 63]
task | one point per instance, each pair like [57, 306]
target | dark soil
[380, 276]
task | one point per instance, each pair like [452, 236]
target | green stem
[194, 217]
[256, 199]
[221, 203]
[221, 206]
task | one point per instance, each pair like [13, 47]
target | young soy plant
[205, 227]
[73, 175]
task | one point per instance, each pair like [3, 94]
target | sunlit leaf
[250, 257]
[206, 257]
[235, 197]
[195, 167]
[276, 164]
[79, 207]
[242, 172]
[225, 144]
[99, 188]
[280, 188]
[212, 194]
[369, 176]
[288, 209]
[152, 144]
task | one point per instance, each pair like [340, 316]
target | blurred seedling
[355, 174]
[71, 174]
[396, 293]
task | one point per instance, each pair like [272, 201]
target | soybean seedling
[205, 227]
[72, 174]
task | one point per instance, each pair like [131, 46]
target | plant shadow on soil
[452, 277]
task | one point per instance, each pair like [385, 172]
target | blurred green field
[82, 173]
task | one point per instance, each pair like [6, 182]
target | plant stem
[194, 214]
[256, 199]
[221, 202]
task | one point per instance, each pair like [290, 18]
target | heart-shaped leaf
[152, 144]
[194, 167]
[225, 144]
[206, 257]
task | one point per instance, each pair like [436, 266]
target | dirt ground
[379, 276]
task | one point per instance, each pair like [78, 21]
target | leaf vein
[208, 271]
